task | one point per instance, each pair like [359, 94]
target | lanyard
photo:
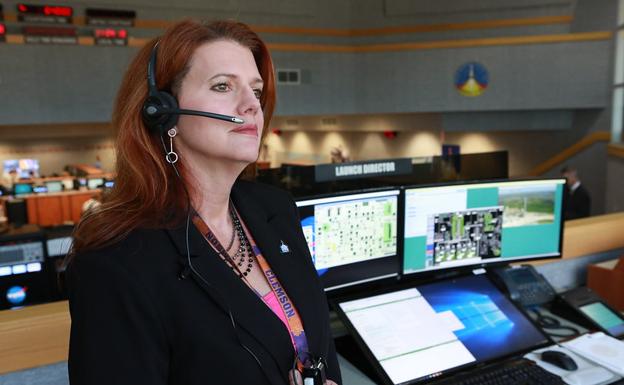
[295, 326]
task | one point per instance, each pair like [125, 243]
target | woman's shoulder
[125, 253]
[266, 195]
[261, 189]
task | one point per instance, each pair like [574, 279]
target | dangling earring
[171, 156]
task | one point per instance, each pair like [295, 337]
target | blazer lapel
[232, 295]
[269, 230]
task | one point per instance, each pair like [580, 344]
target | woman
[185, 274]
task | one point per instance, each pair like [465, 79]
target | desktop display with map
[352, 237]
[467, 224]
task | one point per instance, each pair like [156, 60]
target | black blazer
[578, 203]
[135, 321]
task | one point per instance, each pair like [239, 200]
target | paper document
[600, 348]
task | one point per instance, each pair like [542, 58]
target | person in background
[9, 179]
[186, 274]
[577, 199]
[98, 162]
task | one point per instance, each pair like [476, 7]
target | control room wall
[60, 84]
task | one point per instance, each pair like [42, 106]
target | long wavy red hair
[147, 192]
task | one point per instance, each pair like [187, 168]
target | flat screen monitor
[353, 238]
[26, 168]
[473, 224]
[93, 183]
[22, 188]
[11, 164]
[58, 247]
[424, 331]
[54, 186]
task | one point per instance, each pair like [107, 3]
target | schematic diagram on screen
[354, 231]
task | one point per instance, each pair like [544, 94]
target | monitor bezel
[348, 287]
[481, 264]
[408, 284]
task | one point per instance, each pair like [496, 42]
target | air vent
[329, 121]
[288, 77]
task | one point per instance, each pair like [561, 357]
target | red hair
[143, 195]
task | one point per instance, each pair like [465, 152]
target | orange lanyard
[294, 324]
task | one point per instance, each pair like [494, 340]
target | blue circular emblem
[16, 294]
[471, 79]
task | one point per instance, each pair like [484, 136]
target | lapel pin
[284, 248]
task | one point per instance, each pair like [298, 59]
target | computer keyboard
[518, 372]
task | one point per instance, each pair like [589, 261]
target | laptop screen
[428, 330]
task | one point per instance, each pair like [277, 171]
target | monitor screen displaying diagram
[448, 226]
[348, 230]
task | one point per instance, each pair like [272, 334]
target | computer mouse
[559, 359]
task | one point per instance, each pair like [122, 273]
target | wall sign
[50, 35]
[112, 17]
[354, 170]
[44, 13]
[471, 79]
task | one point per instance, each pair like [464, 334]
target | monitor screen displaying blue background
[424, 331]
[493, 326]
[472, 224]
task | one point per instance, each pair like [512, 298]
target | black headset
[160, 110]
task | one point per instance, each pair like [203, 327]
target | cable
[197, 274]
[549, 322]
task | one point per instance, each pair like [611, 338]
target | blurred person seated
[577, 200]
[9, 179]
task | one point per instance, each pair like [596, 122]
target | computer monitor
[59, 247]
[10, 164]
[463, 225]
[29, 168]
[38, 189]
[416, 333]
[352, 237]
[93, 183]
[25, 275]
[22, 188]
[54, 186]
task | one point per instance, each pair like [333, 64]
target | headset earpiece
[156, 109]
[154, 117]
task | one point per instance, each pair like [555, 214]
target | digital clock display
[110, 36]
[44, 13]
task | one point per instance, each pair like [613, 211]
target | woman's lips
[248, 129]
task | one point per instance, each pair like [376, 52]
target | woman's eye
[221, 87]
[258, 93]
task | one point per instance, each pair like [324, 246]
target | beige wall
[55, 154]
[306, 140]
[526, 149]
